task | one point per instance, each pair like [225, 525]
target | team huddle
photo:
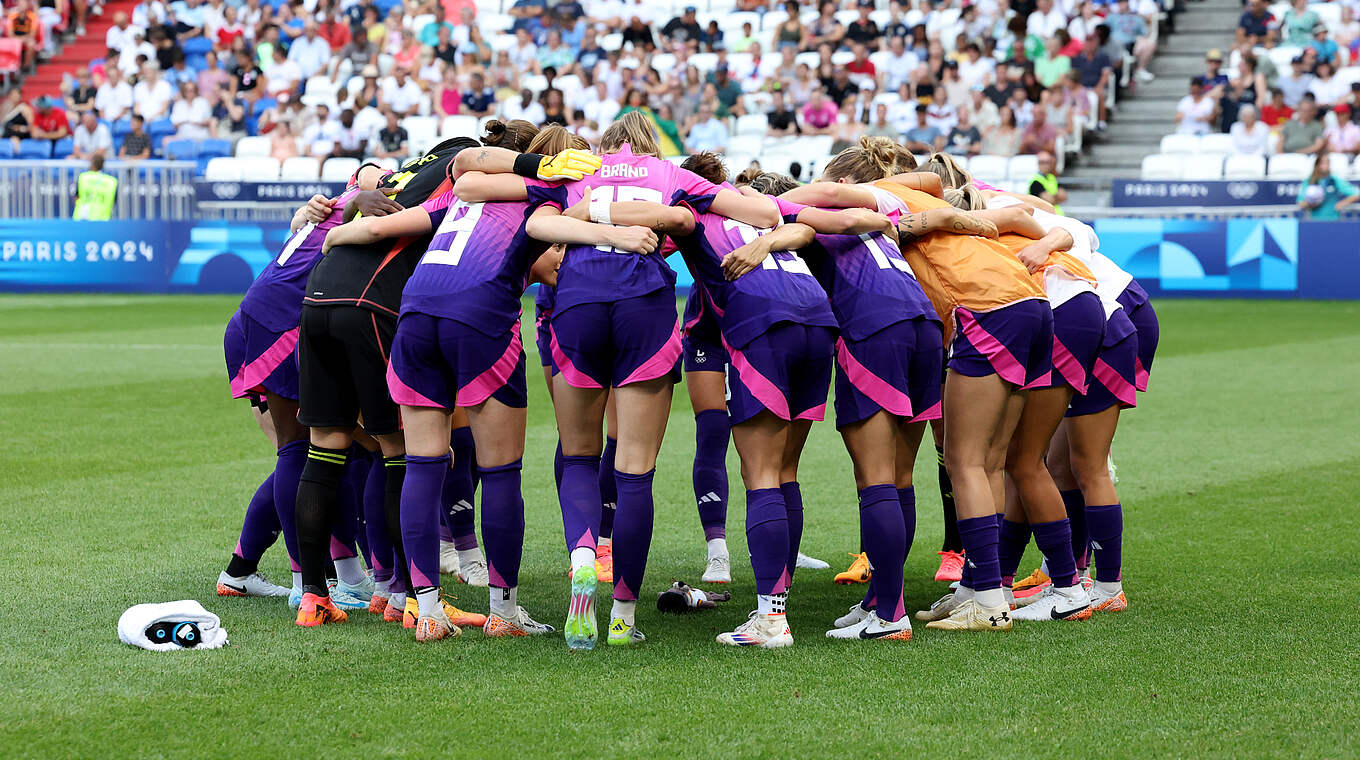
[382, 354]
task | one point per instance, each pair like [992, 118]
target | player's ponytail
[968, 198]
[950, 172]
[874, 158]
[515, 134]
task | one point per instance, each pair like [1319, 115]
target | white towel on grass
[133, 623]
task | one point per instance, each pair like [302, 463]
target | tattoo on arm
[481, 157]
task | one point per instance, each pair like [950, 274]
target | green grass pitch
[127, 467]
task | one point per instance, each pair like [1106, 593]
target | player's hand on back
[636, 239]
[744, 259]
[317, 209]
[375, 203]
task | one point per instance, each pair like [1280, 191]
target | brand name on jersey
[623, 170]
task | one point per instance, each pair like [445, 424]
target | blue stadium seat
[160, 128]
[62, 148]
[261, 105]
[121, 128]
[214, 148]
[6, 149]
[35, 149]
[196, 46]
[181, 150]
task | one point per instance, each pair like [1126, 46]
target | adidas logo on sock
[460, 506]
[709, 498]
[1096, 545]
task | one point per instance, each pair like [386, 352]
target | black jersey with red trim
[372, 276]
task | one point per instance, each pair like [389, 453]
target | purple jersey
[870, 284]
[596, 274]
[275, 298]
[477, 265]
[782, 289]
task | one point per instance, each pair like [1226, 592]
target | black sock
[238, 567]
[952, 542]
[395, 470]
[318, 492]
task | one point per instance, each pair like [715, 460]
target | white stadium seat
[1022, 168]
[1215, 142]
[224, 169]
[459, 125]
[989, 168]
[300, 169]
[745, 144]
[1179, 143]
[341, 169]
[1290, 166]
[1202, 166]
[422, 132]
[259, 169]
[1341, 164]
[1244, 167]
[752, 124]
[1162, 166]
[252, 147]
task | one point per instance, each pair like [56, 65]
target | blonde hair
[874, 158]
[515, 134]
[635, 129]
[968, 198]
[555, 138]
[948, 169]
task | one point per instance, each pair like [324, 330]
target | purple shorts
[1014, 342]
[260, 360]
[785, 370]
[443, 363]
[604, 345]
[1078, 329]
[897, 370]
[703, 354]
[1114, 372]
[1135, 302]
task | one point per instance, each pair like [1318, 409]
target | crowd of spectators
[340, 77]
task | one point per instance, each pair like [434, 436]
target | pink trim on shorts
[1115, 383]
[661, 363]
[252, 375]
[935, 412]
[574, 377]
[816, 413]
[418, 578]
[1140, 375]
[994, 350]
[878, 390]
[1042, 381]
[1068, 368]
[404, 394]
[765, 391]
[481, 387]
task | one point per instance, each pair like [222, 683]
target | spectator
[825, 29]
[1254, 25]
[282, 74]
[212, 80]
[525, 108]
[744, 42]
[881, 127]
[478, 99]
[319, 138]
[781, 119]
[1323, 194]
[982, 111]
[1326, 87]
[113, 99]
[964, 139]
[82, 94]
[191, 115]
[311, 52]
[1007, 81]
[393, 142]
[401, 93]
[1327, 50]
[706, 132]
[684, 28]
[1053, 66]
[923, 138]
[940, 113]
[819, 115]
[1248, 88]
[1003, 139]
[137, 143]
[1045, 20]
[847, 130]
[95, 193]
[1213, 79]
[120, 36]
[792, 33]
[335, 31]
[601, 109]
[1039, 136]
[350, 142]
[712, 38]
[863, 30]
[91, 138]
[282, 142]
[1195, 111]
[638, 34]
[1250, 136]
[1296, 83]
[840, 89]
[49, 123]
[1303, 133]
[1297, 26]
[899, 66]
[1044, 185]
[861, 69]
[554, 107]
[728, 92]
[1276, 112]
[1129, 31]
[1344, 136]
[179, 72]
[554, 53]
[17, 117]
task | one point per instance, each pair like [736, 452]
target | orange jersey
[974, 272]
[1070, 264]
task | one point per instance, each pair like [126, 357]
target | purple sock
[1076, 515]
[356, 478]
[906, 498]
[557, 466]
[287, 473]
[502, 522]
[1106, 524]
[609, 489]
[460, 490]
[1012, 540]
[375, 521]
[793, 510]
[1054, 539]
[346, 527]
[883, 536]
[445, 535]
[712, 427]
[580, 500]
[633, 532]
[260, 529]
[420, 517]
[767, 537]
[979, 535]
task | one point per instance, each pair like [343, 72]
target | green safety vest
[1050, 185]
[94, 196]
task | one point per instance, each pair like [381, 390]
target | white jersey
[1061, 285]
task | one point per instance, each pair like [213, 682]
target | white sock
[1109, 588]
[717, 547]
[350, 570]
[467, 556]
[445, 546]
[624, 610]
[428, 601]
[583, 556]
[297, 579]
[771, 604]
[380, 588]
[962, 593]
[504, 601]
[992, 597]
[397, 600]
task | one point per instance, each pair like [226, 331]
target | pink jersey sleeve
[979, 184]
[788, 210]
[439, 203]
